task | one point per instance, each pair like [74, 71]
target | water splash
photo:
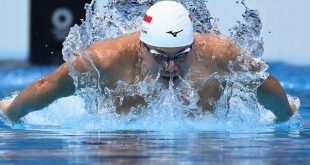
[172, 108]
[247, 33]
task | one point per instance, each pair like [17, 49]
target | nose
[171, 66]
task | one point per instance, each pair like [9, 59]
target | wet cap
[167, 24]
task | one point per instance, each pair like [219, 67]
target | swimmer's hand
[293, 106]
[4, 104]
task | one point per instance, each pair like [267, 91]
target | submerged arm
[209, 94]
[272, 96]
[40, 93]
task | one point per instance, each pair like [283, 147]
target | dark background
[50, 25]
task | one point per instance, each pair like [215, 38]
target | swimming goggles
[163, 57]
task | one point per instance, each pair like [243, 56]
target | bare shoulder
[216, 50]
[116, 57]
[115, 44]
[218, 45]
[106, 51]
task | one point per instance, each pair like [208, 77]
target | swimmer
[166, 45]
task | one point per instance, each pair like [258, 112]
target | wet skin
[120, 59]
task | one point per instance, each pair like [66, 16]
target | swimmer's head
[167, 24]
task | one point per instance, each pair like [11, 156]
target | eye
[181, 57]
[159, 58]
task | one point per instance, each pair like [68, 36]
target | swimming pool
[275, 144]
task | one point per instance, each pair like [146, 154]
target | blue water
[275, 144]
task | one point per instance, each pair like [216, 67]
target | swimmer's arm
[40, 93]
[272, 96]
[209, 94]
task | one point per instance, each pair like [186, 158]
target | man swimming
[165, 45]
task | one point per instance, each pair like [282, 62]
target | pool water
[278, 144]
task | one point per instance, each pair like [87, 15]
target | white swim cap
[167, 24]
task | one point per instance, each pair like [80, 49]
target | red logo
[147, 18]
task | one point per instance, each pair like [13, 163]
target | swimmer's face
[170, 62]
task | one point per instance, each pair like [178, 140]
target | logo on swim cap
[174, 33]
[167, 24]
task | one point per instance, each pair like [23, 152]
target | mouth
[167, 78]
